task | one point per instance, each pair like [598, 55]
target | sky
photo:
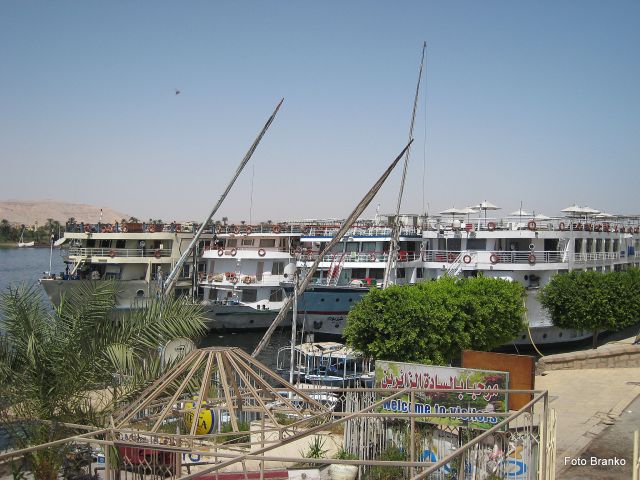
[532, 103]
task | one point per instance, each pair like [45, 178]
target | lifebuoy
[491, 226]
[178, 228]
[233, 252]
[157, 253]
[124, 229]
[227, 274]
[112, 253]
[561, 226]
[531, 225]
[87, 228]
[234, 279]
[236, 229]
[402, 256]
[248, 230]
[532, 258]
[152, 229]
[220, 251]
[276, 229]
[246, 280]
[452, 257]
[494, 258]
[262, 252]
[467, 259]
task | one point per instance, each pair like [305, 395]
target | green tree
[593, 301]
[75, 364]
[432, 322]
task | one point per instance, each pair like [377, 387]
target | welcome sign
[444, 381]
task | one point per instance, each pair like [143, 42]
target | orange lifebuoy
[152, 229]
[402, 256]
[236, 229]
[228, 274]
[234, 279]
[276, 229]
[233, 252]
[494, 258]
[452, 257]
[112, 253]
[220, 251]
[561, 226]
[157, 253]
[531, 225]
[87, 228]
[491, 226]
[262, 252]
[532, 258]
[467, 259]
[246, 280]
[124, 229]
[248, 230]
[178, 228]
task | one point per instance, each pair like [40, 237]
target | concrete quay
[588, 400]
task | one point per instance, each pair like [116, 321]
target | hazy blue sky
[525, 101]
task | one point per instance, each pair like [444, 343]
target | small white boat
[26, 244]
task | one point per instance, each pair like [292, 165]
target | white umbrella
[468, 211]
[573, 209]
[452, 211]
[590, 210]
[604, 215]
[541, 216]
[486, 206]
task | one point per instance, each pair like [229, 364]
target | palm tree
[78, 363]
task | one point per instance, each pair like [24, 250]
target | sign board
[521, 370]
[479, 405]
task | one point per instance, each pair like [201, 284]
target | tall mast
[395, 230]
[338, 236]
[173, 276]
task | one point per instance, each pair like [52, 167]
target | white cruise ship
[137, 255]
[522, 249]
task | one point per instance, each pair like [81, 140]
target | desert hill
[28, 212]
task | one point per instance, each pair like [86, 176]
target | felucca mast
[173, 276]
[395, 231]
[338, 237]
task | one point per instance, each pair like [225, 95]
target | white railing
[240, 279]
[594, 256]
[119, 252]
[349, 257]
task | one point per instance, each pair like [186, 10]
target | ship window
[105, 243]
[140, 293]
[358, 272]
[350, 300]
[232, 242]
[322, 299]
[419, 273]
[247, 241]
[121, 243]
[400, 273]
[91, 242]
[477, 244]
[250, 295]
[276, 295]
[267, 242]
[338, 299]
[185, 270]
[277, 268]
[377, 273]
[368, 247]
[544, 335]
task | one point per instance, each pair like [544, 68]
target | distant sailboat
[22, 243]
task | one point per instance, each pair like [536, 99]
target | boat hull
[240, 318]
[129, 293]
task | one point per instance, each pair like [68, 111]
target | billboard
[479, 405]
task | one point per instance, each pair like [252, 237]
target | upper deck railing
[119, 252]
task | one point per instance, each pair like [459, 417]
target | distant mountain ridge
[29, 212]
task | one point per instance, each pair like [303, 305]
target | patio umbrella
[520, 213]
[468, 211]
[541, 216]
[486, 206]
[452, 211]
[573, 209]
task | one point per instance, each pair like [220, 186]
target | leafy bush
[431, 322]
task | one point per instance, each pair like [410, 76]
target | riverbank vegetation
[432, 322]
[76, 364]
[593, 301]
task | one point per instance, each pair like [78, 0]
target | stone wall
[608, 356]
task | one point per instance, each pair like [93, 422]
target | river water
[26, 265]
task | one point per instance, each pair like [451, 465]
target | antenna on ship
[395, 230]
[346, 225]
[173, 275]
